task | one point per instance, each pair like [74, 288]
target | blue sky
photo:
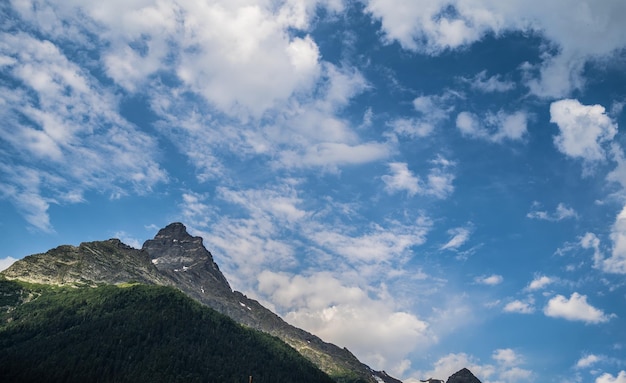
[431, 184]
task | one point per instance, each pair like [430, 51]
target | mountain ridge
[174, 258]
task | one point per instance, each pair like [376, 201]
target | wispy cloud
[490, 280]
[433, 29]
[64, 128]
[459, 236]
[589, 360]
[492, 127]
[438, 183]
[562, 212]
[489, 84]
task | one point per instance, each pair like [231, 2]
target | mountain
[175, 258]
[133, 333]
[463, 376]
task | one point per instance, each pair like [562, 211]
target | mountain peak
[174, 230]
[184, 258]
[463, 376]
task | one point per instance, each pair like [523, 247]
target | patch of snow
[244, 305]
[185, 268]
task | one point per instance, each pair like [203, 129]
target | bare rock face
[89, 263]
[184, 259]
[463, 376]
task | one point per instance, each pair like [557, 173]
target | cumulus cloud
[519, 307]
[575, 308]
[324, 305]
[498, 127]
[608, 378]
[562, 212]
[582, 129]
[507, 356]
[539, 283]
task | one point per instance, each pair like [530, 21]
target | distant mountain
[133, 333]
[463, 376]
[175, 258]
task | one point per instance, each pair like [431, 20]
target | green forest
[133, 333]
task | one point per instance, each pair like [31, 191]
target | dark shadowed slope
[133, 333]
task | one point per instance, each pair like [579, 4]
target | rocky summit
[175, 258]
[463, 376]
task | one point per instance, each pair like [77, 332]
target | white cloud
[519, 307]
[6, 262]
[501, 126]
[608, 378]
[591, 241]
[438, 182]
[401, 179]
[619, 173]
[580, 31]
[507, 357]
[469, 126]
[490, 280]
[616, 263]
[63, 117]
[562, 212]
[331, 154]
[588, 360]
[575, 308]
[582, 129]
[412, 127]
[460, 236]
[539, 283]
[379, 244]
[325, 305]
[432, 110]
